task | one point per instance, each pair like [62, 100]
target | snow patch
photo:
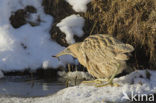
[74, 78]
[136, 82]
[5, 39]
[27, 46]
[79, 5]
[72, 25]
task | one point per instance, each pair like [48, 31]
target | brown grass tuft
[132, 21]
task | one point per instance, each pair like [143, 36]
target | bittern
[103, 55]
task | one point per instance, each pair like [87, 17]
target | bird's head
[70, 50]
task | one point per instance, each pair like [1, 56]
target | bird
[103, 55]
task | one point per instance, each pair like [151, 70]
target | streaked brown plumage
[102, 55]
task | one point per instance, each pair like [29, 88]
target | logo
[138, 97]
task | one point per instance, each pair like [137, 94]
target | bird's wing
[102, 48]
[123, 48]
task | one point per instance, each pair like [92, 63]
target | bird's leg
[110, 81]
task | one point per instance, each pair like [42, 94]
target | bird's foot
[97, 81]
[102, 82]
[108, 83]
[92, 81]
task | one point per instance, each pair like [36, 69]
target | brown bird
[102, 55]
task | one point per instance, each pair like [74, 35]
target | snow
[72, 25]
[136, 82]
[73, 75]
[27, 46]
[79, 5]
[74, 78]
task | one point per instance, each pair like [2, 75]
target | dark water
[24, 86]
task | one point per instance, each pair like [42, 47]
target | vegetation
[131, 21]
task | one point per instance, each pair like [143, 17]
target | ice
[1, 74]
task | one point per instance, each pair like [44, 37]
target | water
[24, 86]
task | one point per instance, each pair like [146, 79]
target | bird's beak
[64, 52]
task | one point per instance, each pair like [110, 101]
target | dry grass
[132, 21]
